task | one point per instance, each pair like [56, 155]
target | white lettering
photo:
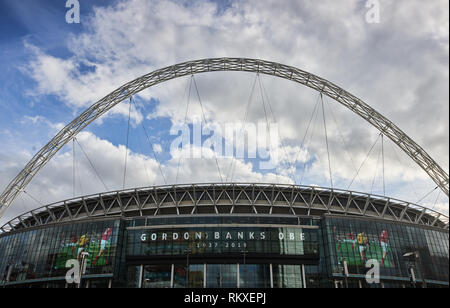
[373, 14]
[373, 274]
[73, 15]
[73, 274]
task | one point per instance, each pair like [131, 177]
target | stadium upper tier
[228, 198]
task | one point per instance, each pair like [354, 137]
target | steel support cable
[294, 165]
[151, 147]
[141, 150]
[346, 147]
[126, 147]
[310, 137]
[139, 145]
[165, 146]
[267, 119]
[77, 174]
[247, 111]
[274, 118]
[326, 141]
[73, 167]
[364, 161]
[33, 198]
[92, 165]
[182, 135]
[426, 195]
[382, 154]
[376, 173]
[411, 186]
[205, 121]
[313, 131]
[436, 201]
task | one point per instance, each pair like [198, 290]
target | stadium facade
[227, 236]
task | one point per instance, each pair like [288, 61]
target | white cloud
[399, 66]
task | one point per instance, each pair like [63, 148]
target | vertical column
[204, 275]
[303, 276]
[172, 273]
[238, 274]
[141, 276]
[271, 275]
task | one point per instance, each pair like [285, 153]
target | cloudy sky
[52, 70]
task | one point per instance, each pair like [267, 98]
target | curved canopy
[228, 199]
[385, 126]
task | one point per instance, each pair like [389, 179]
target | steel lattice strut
[385, 126]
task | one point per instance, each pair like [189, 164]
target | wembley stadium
[227, 235]
[230, 236]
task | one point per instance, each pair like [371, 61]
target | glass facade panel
[133, 276]
[356, 241]
[43, 253]
[254, 276]
[157, 276]
[116, 250]
[221, 275]
[192, 278]
[287, 276]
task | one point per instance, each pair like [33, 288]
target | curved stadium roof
[231, 198]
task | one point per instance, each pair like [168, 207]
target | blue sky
[51, 71]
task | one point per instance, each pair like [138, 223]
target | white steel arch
[385, 126]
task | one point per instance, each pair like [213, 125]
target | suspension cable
[290, 166]
[364, 161]
[33, 198]
[426, 195]
[73, 167]
[326, 141]
[77, 174]
[303, 141]
[382, 154]
[267, 119]
[410, 184]
[141, 150]
[376, 173]
[185, 121]
[346, 147]
[151, 146]
[314, 117]
[233, 164]
[92, 165]
[437, 198]
[205, 121]
[126, 148]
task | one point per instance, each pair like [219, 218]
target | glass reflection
[157, 276]
[221, 275]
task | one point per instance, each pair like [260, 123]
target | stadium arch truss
[223, 199]
[385, 126]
